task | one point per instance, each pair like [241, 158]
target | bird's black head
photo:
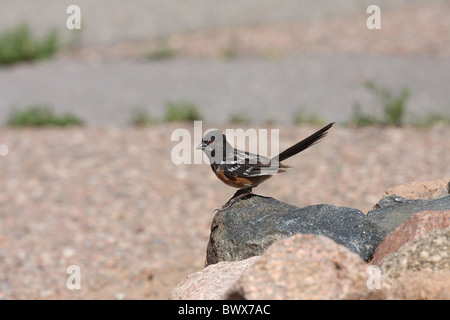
[210, 140]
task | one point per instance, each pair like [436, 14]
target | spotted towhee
[245, 170]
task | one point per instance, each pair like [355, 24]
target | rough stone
[305, 267]
[391, 212]
[417, 286]
[251, 225]
[428, 254]
[212, 282]
[421, 190]
[414, 228]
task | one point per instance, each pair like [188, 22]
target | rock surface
[299, 267]
[413, 229]
[305, 267]
[212, 282]
[315, 267]
[414, 285]
[420, 269]
[421, 190]
[251, 225]
[392, 211]
[426, 255]
[315, 252]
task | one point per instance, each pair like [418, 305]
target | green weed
[40, 116]
[236, 118]
[18, 44]
[162, 52]
[142, 118]
[182, 111]
[303, 116]
[394, 106]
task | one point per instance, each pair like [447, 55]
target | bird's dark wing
[245, 164]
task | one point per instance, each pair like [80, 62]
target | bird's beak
[201, 146]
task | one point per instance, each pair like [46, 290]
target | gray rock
[251, 225]
[390, 212]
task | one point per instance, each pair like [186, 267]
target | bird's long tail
[305, 143]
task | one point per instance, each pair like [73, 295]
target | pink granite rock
[414, 228]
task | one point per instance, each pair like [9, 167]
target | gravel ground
[111, 201]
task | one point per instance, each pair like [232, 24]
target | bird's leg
[241, 193]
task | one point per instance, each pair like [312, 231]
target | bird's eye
[213, 138]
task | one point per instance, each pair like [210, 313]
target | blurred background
[86, 118]
[252, 58]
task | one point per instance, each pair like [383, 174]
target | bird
[244, 170]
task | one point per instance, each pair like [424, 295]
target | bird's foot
[241, 193]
